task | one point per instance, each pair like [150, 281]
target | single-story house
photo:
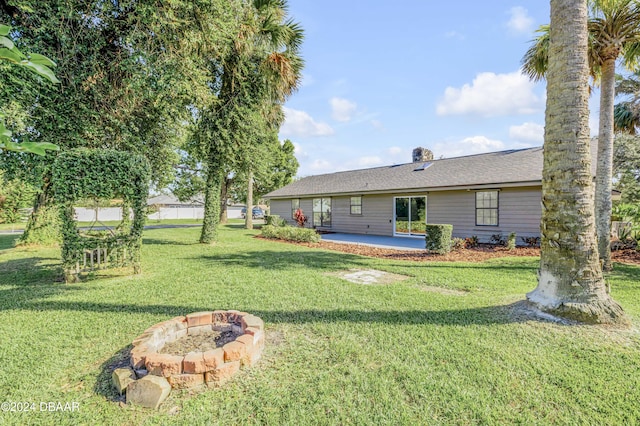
[167, 206]
[171, 201]
[481, 195]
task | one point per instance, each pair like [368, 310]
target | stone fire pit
[190, 351]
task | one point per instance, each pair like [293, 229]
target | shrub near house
[438, 238]
[290, 233]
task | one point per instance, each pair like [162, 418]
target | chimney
[422, 154]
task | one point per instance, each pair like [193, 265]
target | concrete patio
[395, 243]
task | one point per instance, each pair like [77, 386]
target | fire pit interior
[185, 352]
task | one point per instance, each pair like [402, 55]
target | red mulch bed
[475, 254]
[628, 256]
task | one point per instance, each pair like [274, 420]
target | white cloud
[377, 124]
[455, 35]
[395, 150]
[491, 95]
[307, 80]
[367, 161]
[468, 146]
[520, 21]
[527, 133]
[301, 124]
[342, 109]
[320, 166]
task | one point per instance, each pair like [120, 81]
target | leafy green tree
[626, 167]
[570, 281]
[39, 64]
[614, 31]
[15, 195]
[262, 68]
[277, 168]
[130, 74]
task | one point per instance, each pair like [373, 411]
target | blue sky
[382, 78]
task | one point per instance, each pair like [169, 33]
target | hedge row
[290, 233]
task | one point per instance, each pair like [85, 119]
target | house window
[356, 205]
[322, 212]
[487, 208]
[295, 205]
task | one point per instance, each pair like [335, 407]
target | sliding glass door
[410, 216]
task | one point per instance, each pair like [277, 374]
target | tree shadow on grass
[234, 225]
[157, 241]
[8, 241]
[30, 271]
[333, 261]
[628, 272]
[30, 279]
[280, 259]
[518, 312]
[487, 315]
[104, 386]
[477, 266]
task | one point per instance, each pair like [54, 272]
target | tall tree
[275, 168]
[128, 72]
[614, 31]
[275, 165]
[570, 281]
[262, 69]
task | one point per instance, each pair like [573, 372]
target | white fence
[178, 213]
[101, 214]
[104, 214]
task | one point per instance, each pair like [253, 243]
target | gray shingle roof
[504, 167]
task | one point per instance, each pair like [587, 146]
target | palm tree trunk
[248, 222]
[570, 281]
[604, 169]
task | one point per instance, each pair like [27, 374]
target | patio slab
[395, 243]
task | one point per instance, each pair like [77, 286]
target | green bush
[458, 244]
[498, 240]
[290, 233]
[274, 220]
[15, 195]
[472, 241]
[511, 241]
[438, 238]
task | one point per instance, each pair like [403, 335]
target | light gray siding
[376, 217]
[283, 209]
[519, 211]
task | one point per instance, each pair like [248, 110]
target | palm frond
[536, 60]
[628, 85]
[624, 118]
[614, 29]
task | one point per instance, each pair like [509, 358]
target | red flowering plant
[300, 218]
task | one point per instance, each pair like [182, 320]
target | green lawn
[337, 352]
